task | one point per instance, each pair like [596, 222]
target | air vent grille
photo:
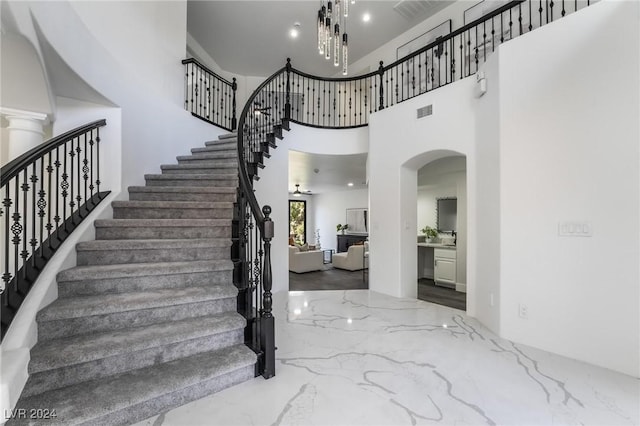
[412, 9]
[425, 111]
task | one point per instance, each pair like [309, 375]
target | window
[298, 221]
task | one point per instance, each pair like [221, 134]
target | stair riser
[116, 321]
[195, 182]
[142, 283]
[230, 150]
[175, 399]
[162, 232]
[217, 162]
[60, 377]
[171, 213]
[201, 171]
[181, 196]
[120, 256]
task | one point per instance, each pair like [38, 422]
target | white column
[25, 131]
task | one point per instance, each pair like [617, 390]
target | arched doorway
[441, 215]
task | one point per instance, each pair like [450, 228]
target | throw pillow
[304, 247]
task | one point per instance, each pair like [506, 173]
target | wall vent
[410, 9]
[424, 111]
[413, 10]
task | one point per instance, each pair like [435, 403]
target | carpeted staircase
[147, 321]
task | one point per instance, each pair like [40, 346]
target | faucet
[455, 237]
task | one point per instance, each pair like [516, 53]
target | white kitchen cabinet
[444, 266]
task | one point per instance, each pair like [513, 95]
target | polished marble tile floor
[361, 358]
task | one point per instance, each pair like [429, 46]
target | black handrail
[46, 193]
[209, 96]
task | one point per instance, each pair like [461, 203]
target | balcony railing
[209, 96]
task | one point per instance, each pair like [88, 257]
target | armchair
[305, 261]
[351, 260]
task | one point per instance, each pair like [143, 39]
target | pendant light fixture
[335, 12]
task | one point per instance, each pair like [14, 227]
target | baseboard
[461, 287]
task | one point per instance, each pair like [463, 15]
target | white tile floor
[361, 358]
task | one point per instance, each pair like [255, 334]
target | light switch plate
[574, 229]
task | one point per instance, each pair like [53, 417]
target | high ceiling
[252, 37]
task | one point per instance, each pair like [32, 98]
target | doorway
[441, 220]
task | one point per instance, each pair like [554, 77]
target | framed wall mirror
[447, 214]
[358, 221]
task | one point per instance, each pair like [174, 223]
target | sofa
[305, 261]
[351, 260]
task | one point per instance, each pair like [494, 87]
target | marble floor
[361, 358]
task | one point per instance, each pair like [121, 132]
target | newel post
[287, 105]
[267, 325]
[234, 120]
[381, 73]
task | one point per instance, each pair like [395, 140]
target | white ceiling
[252, 37]
[334, 172]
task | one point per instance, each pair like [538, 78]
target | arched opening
[442, 231]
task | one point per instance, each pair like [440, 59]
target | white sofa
[305, 261]
[351, 260]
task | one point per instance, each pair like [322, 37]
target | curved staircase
[147, 321]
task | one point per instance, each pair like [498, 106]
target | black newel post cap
[266, 210]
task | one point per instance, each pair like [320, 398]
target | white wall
[23, 83]
[396, 153]
[569, 111]
[331, 209]
[484, 193]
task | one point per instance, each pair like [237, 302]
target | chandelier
[329, 37]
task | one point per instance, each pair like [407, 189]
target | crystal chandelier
[330, 40]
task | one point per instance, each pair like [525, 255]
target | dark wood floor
[329, 279]
[430, 292]
[339, 279]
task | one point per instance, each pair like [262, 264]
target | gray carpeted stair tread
[172, 204]
[203, 243]
[215, 148]
[82, 306]
[183, 189]
[193, 176]
[130, 396]
[134, 223]
[229, 142]
[227, 136]
[224, 155]
[80, 273]
[59, 353]
[202, 165]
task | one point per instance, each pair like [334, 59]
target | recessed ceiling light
[350, 184]
[295, 31]
[366, 17]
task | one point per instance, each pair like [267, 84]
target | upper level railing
[209, 96]
[290, 95]
[45, 194]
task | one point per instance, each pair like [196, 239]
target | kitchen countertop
[437, 245]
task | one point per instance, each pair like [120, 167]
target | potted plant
[342, 228]
[430, 233]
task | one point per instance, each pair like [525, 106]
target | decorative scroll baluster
[34, 227]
